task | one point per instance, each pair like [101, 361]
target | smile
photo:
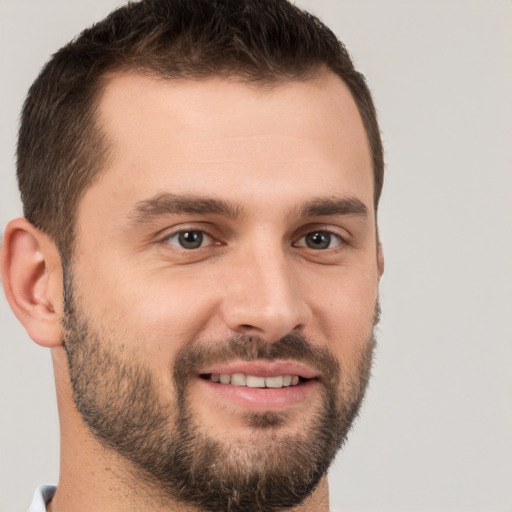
[260, 386]
[253, 381]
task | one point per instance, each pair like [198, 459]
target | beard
[118, 399]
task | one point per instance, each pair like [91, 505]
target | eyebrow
[334, 206]
[169, 204]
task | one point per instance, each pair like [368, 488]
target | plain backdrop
[435, 433]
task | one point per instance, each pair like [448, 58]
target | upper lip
[262, 368]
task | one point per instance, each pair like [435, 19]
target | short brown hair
[61, 148]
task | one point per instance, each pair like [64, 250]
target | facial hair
[118, 399]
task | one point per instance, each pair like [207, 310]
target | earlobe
[32, 280]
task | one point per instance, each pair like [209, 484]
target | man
[199, 250]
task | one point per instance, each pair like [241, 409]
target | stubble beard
[119, 402]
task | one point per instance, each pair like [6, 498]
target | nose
[263, 296]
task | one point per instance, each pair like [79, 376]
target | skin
[267, 151]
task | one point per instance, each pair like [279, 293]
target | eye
[190, 239]
[319, 240]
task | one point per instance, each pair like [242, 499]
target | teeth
[255, 382]
[238, 379]
[274, 382]
[287, 380]
[252, 381]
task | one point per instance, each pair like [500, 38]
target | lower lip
[261, 399]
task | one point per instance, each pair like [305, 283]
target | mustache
[296, 347]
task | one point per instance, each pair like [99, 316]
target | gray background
[436, 430]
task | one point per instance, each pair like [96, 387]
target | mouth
[260, 385]
[254, 381]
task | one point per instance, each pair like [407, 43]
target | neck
[108, 487]
[111, 499]
[93, 477]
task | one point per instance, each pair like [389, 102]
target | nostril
[249, 330]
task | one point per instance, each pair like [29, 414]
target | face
[222, 295]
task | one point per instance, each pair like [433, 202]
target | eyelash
[182, 232]
[322, 233]
[326, 235]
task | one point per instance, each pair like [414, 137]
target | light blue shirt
[43, 494]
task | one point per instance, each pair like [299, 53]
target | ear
[380, 259]
[32, 280]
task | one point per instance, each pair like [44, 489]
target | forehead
[226, 137]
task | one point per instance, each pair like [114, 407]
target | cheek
[158, 313]
[343, 307]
